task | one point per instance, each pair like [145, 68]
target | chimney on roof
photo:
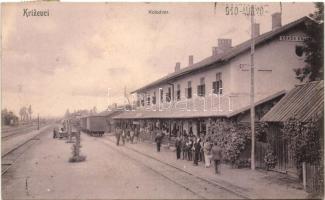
[256, 29]
[276, 20]
[177, 66]
[190, 60]
[216, 51]
[224, 44]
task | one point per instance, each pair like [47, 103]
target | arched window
[299, 51]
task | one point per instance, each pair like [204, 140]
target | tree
[30, 112]
[94, 109]
[8, 117]
[314, 47]
[67, 113]
[23, 113]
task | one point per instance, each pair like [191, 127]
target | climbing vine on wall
[304, 139]
[232, 137]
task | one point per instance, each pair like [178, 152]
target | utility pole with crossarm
[252, 92]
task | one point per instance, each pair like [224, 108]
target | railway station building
[187, 100]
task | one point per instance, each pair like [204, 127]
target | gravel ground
[43, 172]
[257, 184]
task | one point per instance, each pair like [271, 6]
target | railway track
[9, 158]
[200, 187]
[6, 129]
[8, 133]
[18, 131]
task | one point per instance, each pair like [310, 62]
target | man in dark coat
[189, 146]
[123, 136]
[184, 147]
[197, 150]
[158, 139]
[54, 133]
[178, 145]
[216, 156]
[118, 136]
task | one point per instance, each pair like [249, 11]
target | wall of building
[210, 77]
[274, 62]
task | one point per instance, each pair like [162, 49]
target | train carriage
[83, 124]
[94, 125]
[98, 124]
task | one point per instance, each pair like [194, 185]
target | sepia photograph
[162, 100]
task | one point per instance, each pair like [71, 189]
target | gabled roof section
[227, 55]
[302, 102]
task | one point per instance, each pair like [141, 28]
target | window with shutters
[148, 100]
[217, 85]
[201, 87]
[188, 90]
[178, 92]
[154, 98]
[161, 95]
[168, 95]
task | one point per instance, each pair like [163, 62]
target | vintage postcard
[169, 100]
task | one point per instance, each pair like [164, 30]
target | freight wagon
[97, 125]
[83, 124]
[94, 125]
[110, 125]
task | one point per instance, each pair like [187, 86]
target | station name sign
[293, 38]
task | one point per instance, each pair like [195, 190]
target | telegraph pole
[37, 121]
[252, 90]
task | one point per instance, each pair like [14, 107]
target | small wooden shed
[302, 102]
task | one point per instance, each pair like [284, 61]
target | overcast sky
[70, 58]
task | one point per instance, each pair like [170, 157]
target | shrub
[304, 140]
[232, 137]
[243, 163]
[77, 159]
[270, 159]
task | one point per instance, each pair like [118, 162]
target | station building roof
[227, 55]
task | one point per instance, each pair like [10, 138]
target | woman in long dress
[207, 152]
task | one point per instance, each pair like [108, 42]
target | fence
[314, 179]
[260, 151]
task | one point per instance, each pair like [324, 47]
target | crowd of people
[127, 135]
[198, 149]
[188, 146]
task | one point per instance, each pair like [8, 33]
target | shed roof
[227, 55]
[109, 113]
[303, 102]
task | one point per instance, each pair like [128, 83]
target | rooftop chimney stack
[224, 44]
[214, 51]
[190, 60]
[217, 51]
[177, 66]
[256, 29]
[276, 20]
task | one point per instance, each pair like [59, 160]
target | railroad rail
[238, 194]
[10, 132]
[9, 158]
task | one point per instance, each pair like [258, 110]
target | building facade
[219, 85]
[227, 72]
